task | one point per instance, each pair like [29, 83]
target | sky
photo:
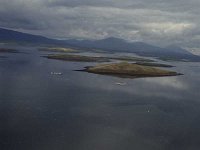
[158, 22]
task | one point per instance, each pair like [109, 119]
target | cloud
[156, 21]
[168, 27]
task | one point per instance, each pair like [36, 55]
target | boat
[56, 73]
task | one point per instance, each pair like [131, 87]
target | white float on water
[120, 83]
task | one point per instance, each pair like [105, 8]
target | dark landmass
[129, 70]
[78, 58]
[5, 50]
[153, 64]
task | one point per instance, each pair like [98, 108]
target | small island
[78, 58]
[82, 58]
[129, 70]
[132, 58]
[58, 49]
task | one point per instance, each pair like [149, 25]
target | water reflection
[86, 111]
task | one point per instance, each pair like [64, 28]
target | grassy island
[58, 49]
[130, 70]
[131, 58]
[153, 64]
[79, 58]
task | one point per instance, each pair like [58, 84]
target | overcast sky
[159, 22]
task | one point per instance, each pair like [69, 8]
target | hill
[19, 37]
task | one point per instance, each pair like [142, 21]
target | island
[79, 58]
[59, 49]
[131, 58]
[129, 70]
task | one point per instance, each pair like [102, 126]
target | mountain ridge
[110, 44]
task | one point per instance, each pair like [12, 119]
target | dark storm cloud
[154, 21]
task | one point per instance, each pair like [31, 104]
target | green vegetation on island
[129, 70]
[179, 59]
[153, 64]
[131, 58]
[79, 58]
[59, 49]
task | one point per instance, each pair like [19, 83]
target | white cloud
[168, 27]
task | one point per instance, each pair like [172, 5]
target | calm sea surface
[83, 111]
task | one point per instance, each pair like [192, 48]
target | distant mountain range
[19, 37]
[109, 44]
[120, 45]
